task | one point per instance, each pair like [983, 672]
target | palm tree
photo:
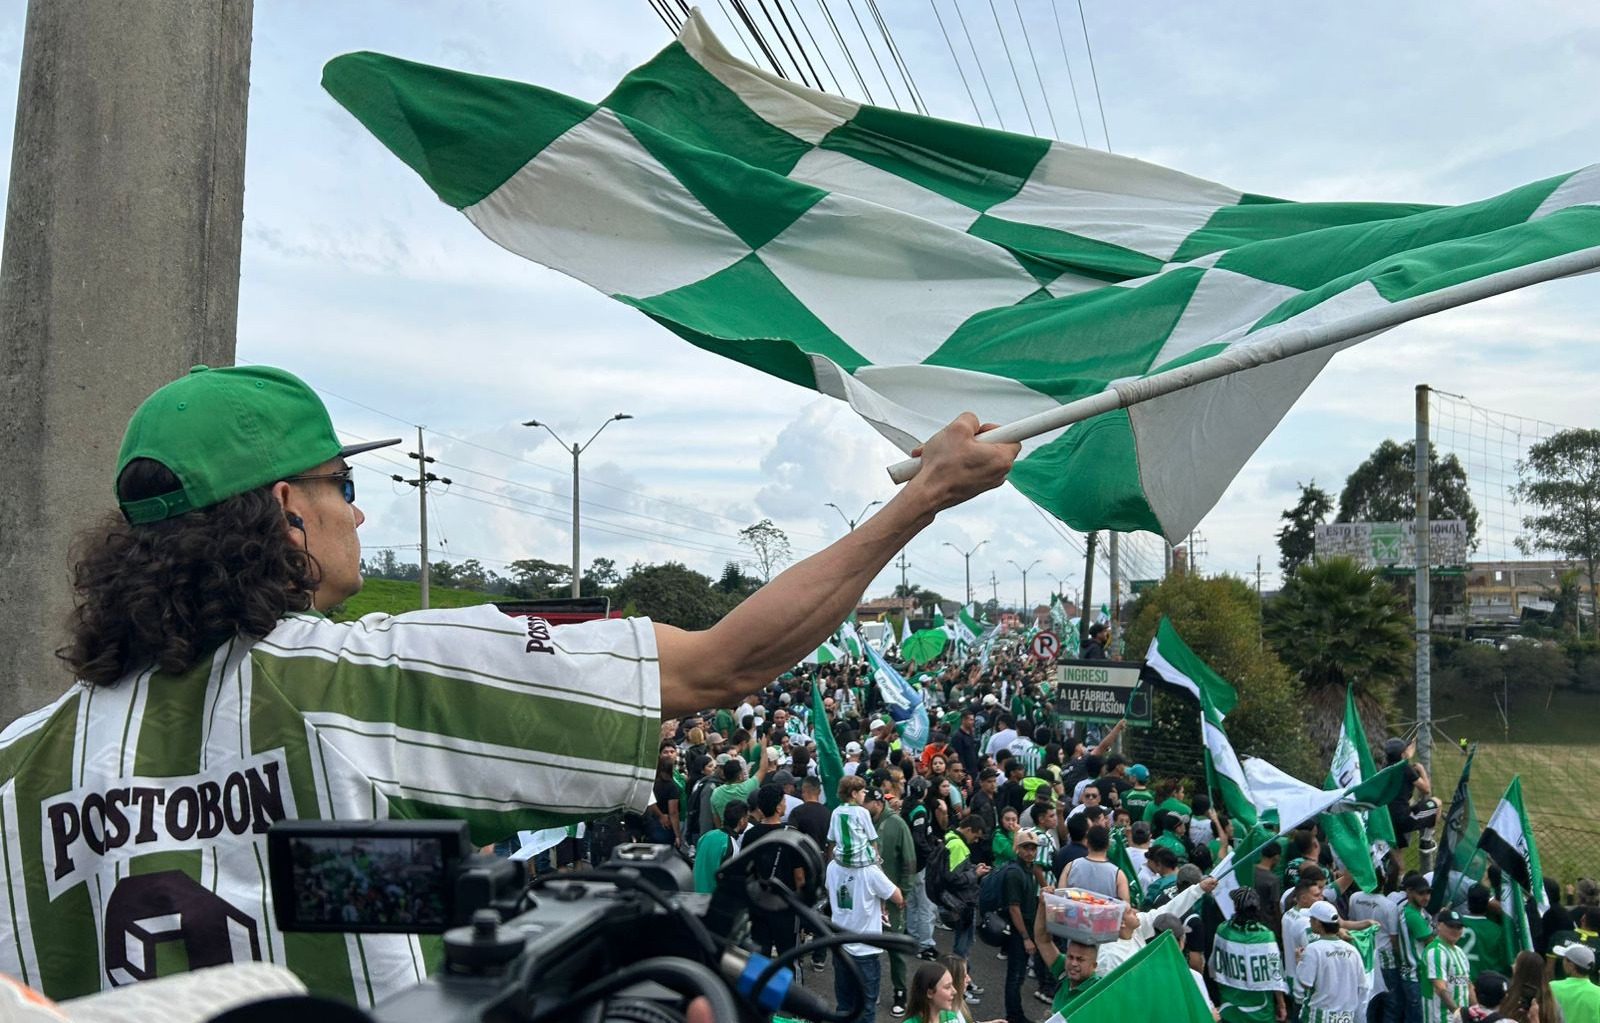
[1336, 623]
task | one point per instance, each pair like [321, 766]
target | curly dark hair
[165, 594]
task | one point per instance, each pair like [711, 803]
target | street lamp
[852, 523]
[576, 450]
[968, 555]
[1026, 607]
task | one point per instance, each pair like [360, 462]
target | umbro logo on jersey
[539, 637]
[87, 827]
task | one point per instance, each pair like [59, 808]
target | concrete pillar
[120, 270]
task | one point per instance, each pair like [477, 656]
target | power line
[785, 44]
[664, 12]
[761, 42]
[970, 98]
[873, 53]
[900, 61]
[1062, 38]
[982, 74]
[1014, 76]
[537, 465]
[1104, 127]
[820, 55]
[735, 26]
[834, 25]
[1028, 40]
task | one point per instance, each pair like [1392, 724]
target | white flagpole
[1292, 342]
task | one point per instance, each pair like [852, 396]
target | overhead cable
[964, 84]
[1062, 38]
[982, 74]
[1028, 111]
[1028, 40]
[899, 59]
[848, 56]
[872, 52]
[1098, 97]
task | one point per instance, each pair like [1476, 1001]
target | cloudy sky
[393, 306]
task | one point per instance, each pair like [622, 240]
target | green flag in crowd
[1155, 976]
[830, 765]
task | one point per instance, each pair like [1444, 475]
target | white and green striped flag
[779, 226]
[1248, 968]
[1508, 840]
[905, 628]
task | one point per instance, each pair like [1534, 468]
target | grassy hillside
[393, 596]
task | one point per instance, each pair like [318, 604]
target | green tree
[1473, 671]
[534, 578]
[1218, 617]
[734, 582]
[1297, 540]
[1542, 665]
[1561, 479]
[1383, 488]
[442, 573]
[1335, 623]
[769, 546]
[600, 577]
[672, 594]
[472, 575]
[1567, 596]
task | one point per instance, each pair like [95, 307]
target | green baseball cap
[225, 431]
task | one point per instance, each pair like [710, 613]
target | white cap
[990, 700]
[853, 748]
[1324, 913]
[876, 724]
[1577, 953]
[773, 753]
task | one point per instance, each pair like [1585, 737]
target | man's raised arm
[778, 625]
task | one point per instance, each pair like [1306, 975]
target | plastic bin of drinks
[1083, 916]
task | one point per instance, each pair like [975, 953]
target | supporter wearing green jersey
[213, 698]
[1447, 977]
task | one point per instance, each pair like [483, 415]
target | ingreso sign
[1102, 691]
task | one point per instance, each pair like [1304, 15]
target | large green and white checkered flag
[919, 268]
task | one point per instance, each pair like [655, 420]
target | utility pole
[852, 523]
[1166, 559]
[903, 567]
[968, 556]
[424, 477]
[1026, 607]
[1116, 591]
[1088, 587]
[1424, 582]
[121, 271]
[994, 589]
[576, 449]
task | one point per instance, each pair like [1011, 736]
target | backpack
[992, 891]
[924, 843]
[937, 872]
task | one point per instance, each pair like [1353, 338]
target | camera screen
[370, 883]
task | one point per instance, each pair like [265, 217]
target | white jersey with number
[133, 816]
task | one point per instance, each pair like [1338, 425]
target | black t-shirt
[811, 819]
[666, 790]
[779, 863]
[1021, 890]
[1011, 794]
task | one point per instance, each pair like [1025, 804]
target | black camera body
[630, 940]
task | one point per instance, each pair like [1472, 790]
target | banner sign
[1102, 691]
[1393, 544]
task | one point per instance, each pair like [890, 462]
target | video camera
[630, 940]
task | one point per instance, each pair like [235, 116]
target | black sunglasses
[347, 484]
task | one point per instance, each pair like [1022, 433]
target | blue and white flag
[904, 702]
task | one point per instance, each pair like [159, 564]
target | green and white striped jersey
[1442, 961]
[133, 816]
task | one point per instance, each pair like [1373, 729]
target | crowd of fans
[1008, 799]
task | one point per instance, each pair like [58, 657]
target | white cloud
[358, 278]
